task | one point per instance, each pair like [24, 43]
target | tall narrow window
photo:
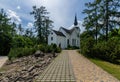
[72, 42]
[68, 42]
[51, 38]
[75, 42]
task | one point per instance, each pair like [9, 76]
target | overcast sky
[62, 12]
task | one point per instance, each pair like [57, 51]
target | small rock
[31, 68]
[25, 69]
[39, 54]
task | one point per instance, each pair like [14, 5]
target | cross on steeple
[75, 21]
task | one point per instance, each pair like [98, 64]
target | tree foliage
[101, 38]
[102, 16]
[16, 41]
[42, 23]
[11, 35]
[5, 34]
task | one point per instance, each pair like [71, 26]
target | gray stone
[39, 54]
[31, 68]
[25, 69]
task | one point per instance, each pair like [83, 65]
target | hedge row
[49, 48]
[20, 52]
[109, 51]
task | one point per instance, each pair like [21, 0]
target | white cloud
[18, 7]
[30, 25]
[82, 28]
[26, 16]
[14, 17]
[60, 10]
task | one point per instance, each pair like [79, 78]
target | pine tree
[21, 30]
[42, 23]
[5, 34]
[38, 15]
[111, 13]
[91, 21]
[101, 16]
[14, 27]
[47, 26]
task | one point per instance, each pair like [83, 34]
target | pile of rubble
[25, 69]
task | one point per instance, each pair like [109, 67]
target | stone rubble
[25, 69]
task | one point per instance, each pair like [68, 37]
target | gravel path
[3, 59]
[86, 71]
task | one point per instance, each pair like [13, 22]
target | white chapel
[65, 37]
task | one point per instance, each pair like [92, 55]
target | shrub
[18, 41]
[55, 48]
[42, 47]
[109, 50]
[105, 50]
[20, 52]
[21, 41]
[100, 50]
[49, 48]
[5, 43]
[72, 47]
[87, 46]
[58, 50]
[114, 48]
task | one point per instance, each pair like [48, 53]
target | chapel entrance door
[68, 42]
[60, 45]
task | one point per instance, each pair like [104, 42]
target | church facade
[65, 37]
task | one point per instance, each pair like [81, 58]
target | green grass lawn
[113, 69]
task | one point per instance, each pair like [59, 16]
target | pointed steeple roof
[75, 21]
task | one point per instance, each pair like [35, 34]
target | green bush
[58, 50]
[114, 48]
[45, 48]
[87, 46]
[100, 50]
[21, 42]
[109, 51]
[18, 41]
[106, 50]
[72, 47]
[42, 47]
[5, 43]
[20, 52]
[49, 48]
[55, 48]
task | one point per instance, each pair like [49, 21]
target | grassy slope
[113, 69]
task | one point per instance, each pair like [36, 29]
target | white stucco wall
[67, 37]
[61, 40]
[74, 35]
[54, 38]
[57, 40]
